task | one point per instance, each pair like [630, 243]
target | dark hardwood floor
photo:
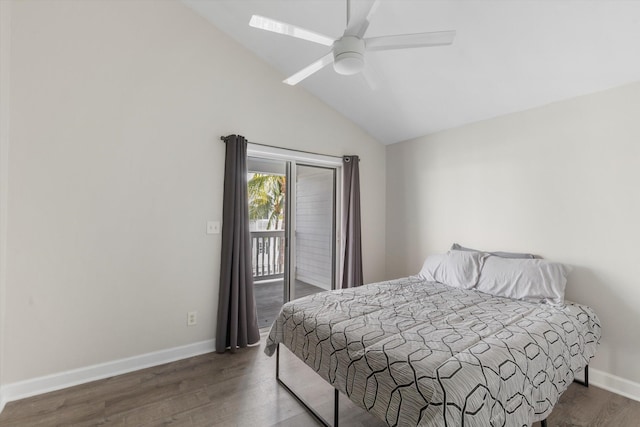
[269, 298]
[240, 390]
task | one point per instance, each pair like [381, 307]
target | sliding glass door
[313, 240]
[292, 208]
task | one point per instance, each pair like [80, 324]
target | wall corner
[5, 46]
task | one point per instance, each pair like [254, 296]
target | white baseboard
[614, 384]
[45, 384]
[2, 399]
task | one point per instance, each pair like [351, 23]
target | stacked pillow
[501, 254]
[506, 274]
[460, 269]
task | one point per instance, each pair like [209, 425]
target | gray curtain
[237, 319]
[351, 246]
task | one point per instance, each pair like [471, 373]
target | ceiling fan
[348, 52]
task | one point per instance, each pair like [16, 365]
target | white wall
[116, 165]
[5, 37]
[314, 225]
[561, 181]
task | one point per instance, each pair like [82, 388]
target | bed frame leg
[585, 383]
[586, 377]
[314, 414]
[336, 400]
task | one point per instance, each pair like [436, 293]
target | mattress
[413, 352]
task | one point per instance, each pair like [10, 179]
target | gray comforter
[413, 352]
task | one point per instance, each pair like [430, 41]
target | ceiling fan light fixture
[348, 55]
[348, 63]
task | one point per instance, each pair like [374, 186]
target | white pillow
[526, 279]
[460, 269]
[431, 264]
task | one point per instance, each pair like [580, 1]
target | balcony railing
[267, 254]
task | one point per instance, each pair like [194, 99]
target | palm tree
[267, 198]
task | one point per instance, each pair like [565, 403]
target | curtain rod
[223, 139]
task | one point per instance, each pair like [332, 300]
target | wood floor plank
[157, 411]
[240, 390]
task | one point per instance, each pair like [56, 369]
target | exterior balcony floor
[270, 296]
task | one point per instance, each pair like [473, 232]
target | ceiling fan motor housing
[348, 55]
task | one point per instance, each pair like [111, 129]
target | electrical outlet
[192, 318]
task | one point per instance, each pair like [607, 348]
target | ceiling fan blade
[358, 20]
[371, 77]
[309, 69]
[404, 41]
[272, 25]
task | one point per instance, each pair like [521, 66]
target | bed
[415, 352]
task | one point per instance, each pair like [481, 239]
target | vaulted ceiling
[508, 56]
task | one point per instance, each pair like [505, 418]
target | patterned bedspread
[421, 353]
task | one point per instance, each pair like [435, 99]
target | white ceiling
[508, 56]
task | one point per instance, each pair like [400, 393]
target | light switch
[213, 227]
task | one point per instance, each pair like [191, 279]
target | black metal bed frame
[316, 415]
[336, 395]
[584, 382]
